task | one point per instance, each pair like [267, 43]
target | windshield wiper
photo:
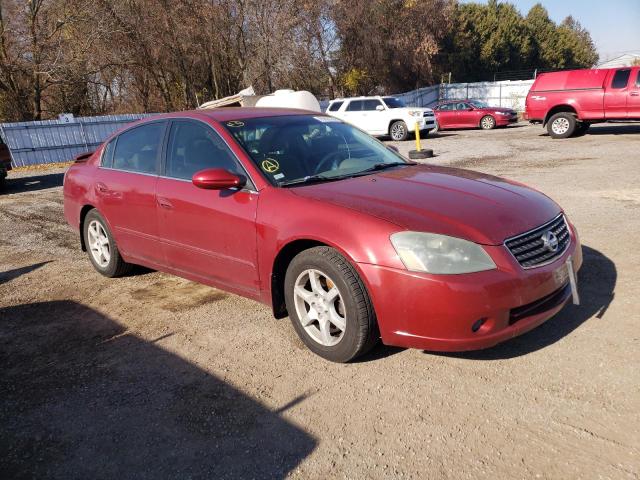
[310, 179]
[383, 166]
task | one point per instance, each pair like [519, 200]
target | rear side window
[194, 146]
[638, 79]
[370, 104]
[446, 106]
[136, 150]
[107, 154]
[621, 78]
[355, 105]
[335, 106]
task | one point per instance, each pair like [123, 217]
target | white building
[626, 60]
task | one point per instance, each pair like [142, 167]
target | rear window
[137, 149]
[621, 78]
[335, 106]
[355, 105]
[107, 154]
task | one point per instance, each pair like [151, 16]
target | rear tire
[487, 122]
[398, 131]
[337, 327]
[101, 246]
[561, 125]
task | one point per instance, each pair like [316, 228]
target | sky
[614, 24]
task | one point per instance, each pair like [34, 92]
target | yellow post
[418, 138]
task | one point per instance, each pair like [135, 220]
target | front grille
[532, 249]
[427, 114]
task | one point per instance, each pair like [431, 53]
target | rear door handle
[634, 94]
[164, 203]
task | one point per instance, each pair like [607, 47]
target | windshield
[297, 149]
[479, 104]
[392, 102]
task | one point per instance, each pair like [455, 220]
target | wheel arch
[391, 122]
[279, 269]
[83, 214]
[557, 109]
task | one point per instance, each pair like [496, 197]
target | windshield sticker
[235, 124]
[270, 165]
[327, 119]
[278, 176]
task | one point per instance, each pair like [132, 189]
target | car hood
[410, 109]
[449, 201]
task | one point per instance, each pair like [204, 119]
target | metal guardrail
[53, 141]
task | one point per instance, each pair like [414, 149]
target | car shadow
[9, 275]
[81, 397]
[32, 183]
[597, 281]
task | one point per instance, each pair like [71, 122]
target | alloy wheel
[99, 244]
[560, 126]
[320, 307]
[397, 131]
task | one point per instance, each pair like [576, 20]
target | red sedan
[325, 224]
[472, 114]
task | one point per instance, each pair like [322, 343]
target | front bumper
[425, 123]
[439, 312]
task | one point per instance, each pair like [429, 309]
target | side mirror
[379, 108]
[469, 109]
[216, 179]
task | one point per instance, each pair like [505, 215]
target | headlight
[440, 254]
[415, 113]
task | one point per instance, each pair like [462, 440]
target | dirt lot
[151, 376]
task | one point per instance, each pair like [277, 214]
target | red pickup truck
[568, 102]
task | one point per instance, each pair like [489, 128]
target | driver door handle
[164, 203]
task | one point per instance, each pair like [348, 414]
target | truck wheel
[398, 131]
[101, 246]
[329, 306]
[562, 125]
[487, 122]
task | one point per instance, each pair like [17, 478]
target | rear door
[353, 114]
[125, 189]
[616, 94]
[446, 115]
[206, 234]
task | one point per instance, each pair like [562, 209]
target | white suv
[382, 116]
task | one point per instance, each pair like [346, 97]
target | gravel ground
[151, 376]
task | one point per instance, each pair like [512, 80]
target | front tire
[329, 306]
[101, 246]
[487, 122]
[561, 125]
[398, 131]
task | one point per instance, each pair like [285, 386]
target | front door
[633, 101]
[206, 234]
[616, 94]
[125, 187]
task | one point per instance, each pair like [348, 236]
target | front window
[392, 102]
[479, 104]
[298, 149]
[620, 79]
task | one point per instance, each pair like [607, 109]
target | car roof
[224, 114]
[371, 97]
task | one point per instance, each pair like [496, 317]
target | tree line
[91, 57]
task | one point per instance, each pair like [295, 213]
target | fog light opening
[478, 323]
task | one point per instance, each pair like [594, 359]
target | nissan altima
[326, 225]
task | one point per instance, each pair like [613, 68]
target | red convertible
[327, 225]
[472, 114]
